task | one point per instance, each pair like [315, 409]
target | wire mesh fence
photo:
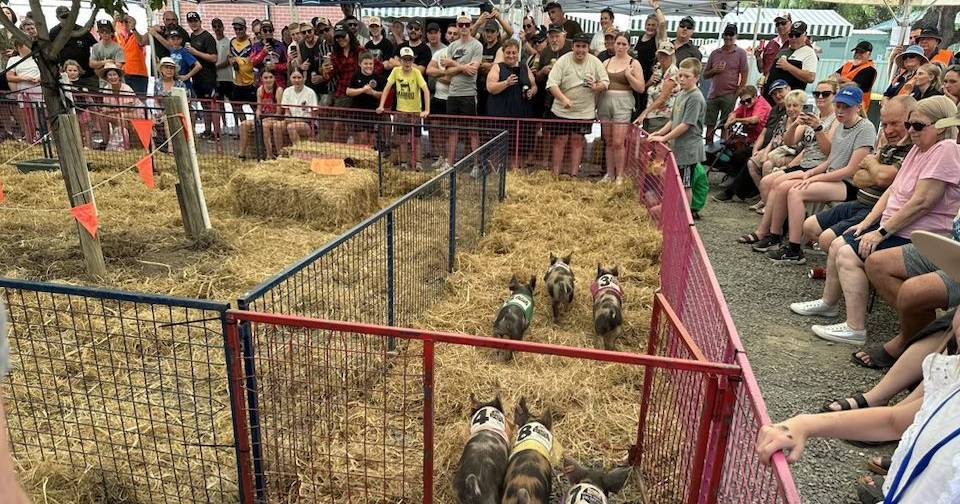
[126, 394]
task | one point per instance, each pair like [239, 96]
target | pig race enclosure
[321, 342]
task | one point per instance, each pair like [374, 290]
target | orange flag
[186, 125]
[86, 215]
[145, 168]
[144, 129]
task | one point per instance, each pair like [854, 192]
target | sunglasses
[528, 26]
[746, 101]
[239, 27]
[266, 30]
[781, 23]
[794, 35]
[353, 25]
[325, 30]
[686, 26]
[822, 94]
[915, 126]
[463, 25]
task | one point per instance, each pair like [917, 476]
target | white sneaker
[606, 179]
[840, 333]
[475, 172]
[621, 180]
[816, 307]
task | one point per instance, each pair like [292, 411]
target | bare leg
[777, 207]
[831, 288]
[278, 130]
[797, 204]
[853, 281]
[559, 147]
[607, 135]
[245, 129]
[576, 153]
[618, 149]
[887, 272]
[917, 302]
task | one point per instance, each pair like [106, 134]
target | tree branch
[14, 31]
[88, 25]
[65, 33]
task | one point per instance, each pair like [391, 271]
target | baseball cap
[929, 32]
[730, 29]
[863, 46]
[414, 22]
[611, 33]
[193, 16]
[175, 31]
[783, 16]
[105, 24]
[778, 84]
[540, 36]
[491, 25]
[320, 20]
[798, 27]
[62, 12]
[239, 21]
[850, 96]
[943, 251]
[406, 52]
[551, 5]
[665, 47]
[339, 30]
[433, 27]
[266, 23]
[373, 21]
[555, 27]
[687, 20]
[582, 37]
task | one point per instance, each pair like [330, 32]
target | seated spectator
[750, 114]
[365, 89]
[616, 105]
[930, 423]
[298, 105]
[875, 174]
[908, 62]
[827, 182]
[120, 105]
[925, 195]
[168, 80]
[661, 90]
[269, 94]
[951, 83]
[740, 165]
[777, 154]
[927, 82]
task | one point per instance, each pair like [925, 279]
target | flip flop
[845, 404]
[867, 492]
[879, 465]
[748, 239]
[879, 358]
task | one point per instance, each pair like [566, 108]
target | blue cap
[850, 96]
[912, 50]
[778, 84]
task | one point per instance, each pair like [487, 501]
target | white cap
[406, 51]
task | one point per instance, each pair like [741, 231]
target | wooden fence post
[189, 190]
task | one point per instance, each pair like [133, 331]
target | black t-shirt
[646, 52]
[382, 51]
[78, 49]
[205, 43]
[421, 53]
[489, 54]
[366, 101]
[313, 55]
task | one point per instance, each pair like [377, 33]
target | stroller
[723, 160]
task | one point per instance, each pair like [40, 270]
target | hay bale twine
[286, 188]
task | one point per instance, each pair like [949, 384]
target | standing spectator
[299, 105]
[908, 62]
[661, 90]
[654, 32]
[684, 131]
[295, 36]
[766, 53]
[491, 45]
[310, 54]
[188, 66]
[397, 33]
[29, 27]
[434, 38]
[161, 46]
[107, 50]
[77, 47]
[616, 104]
[438, 99]
[365, 89]
[796, 63]
[379, 46]
[462, 66]
[609, 42]
[268, 96]
[346, 61]
[6, 41]
[411, 88]
[241, 49]
[575, 81]
[255, 28]
[557, 46]
[860, 70]
[555, 12]
[24, 74]
[224, 69]
[353, 26]
[511, 85]
[927, 83]
[929, 39]
[683, 45]
[285, 36]
[483, 23]
[270, 54]
[727, 70]
[606, 26]
[135, 61]
[528, 32]
[421, 51]
[203, 47]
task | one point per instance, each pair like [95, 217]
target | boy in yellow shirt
[409, 83]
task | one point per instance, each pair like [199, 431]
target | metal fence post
[428, 421]
[253, 408]
[258, 134]
[723, 420]
[453, 219]
[379, 143]
[707, 416]
[391, 344]
[241, 439]
[653, 340]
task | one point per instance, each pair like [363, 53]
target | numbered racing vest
[604, 284]
[585, 493]
[524, 302]
[488, 419]
[533, 436]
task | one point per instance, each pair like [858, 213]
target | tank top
[618, 80]
[510, 101]
[646, 55]
[267, 100]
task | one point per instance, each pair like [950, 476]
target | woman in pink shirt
[751, 113]
[925, 195]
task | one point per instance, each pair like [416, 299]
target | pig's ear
[533, 283]
[474, 403]
[547, 419]
[513, 282]
[497, 402]
[566, 259]
[599, 270]
[573, 471]
[520, 412]
[614, 480]
[615, 271]
[553, 258]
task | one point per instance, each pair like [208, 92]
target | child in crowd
[684, 131]
[366, 89]
[70, 78]
[409, 83]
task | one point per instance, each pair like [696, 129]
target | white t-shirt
[295, 102]
[442, 89]
[26, 69]
[597, 44]
[223, 52]
[808, 57]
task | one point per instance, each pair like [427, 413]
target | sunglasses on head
[822, 94]
[915, 125]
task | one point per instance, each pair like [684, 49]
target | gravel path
[797, 371]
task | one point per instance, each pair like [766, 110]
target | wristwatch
[883, 232]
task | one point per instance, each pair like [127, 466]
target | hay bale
[286, 188]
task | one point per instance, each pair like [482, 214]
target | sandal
[879, 465]
[879, 358]
[845, 404]
[748, 239]
[756, 206]
[869, 489]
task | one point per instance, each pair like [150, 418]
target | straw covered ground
[595, 405]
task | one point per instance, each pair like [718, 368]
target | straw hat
[108, 67]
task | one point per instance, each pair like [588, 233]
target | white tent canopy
[821, 23]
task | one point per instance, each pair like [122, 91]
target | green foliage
[861, 16]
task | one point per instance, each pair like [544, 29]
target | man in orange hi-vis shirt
[135, 62]
[860, 70]
[929, 39]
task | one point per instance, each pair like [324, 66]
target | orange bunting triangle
[328, 166]
[144, 129]
[86, 215]
[145, 168]
[186, 125]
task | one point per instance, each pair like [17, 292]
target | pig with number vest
[516, 313]
[529, 473]
[479, 477]
[607, 305]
